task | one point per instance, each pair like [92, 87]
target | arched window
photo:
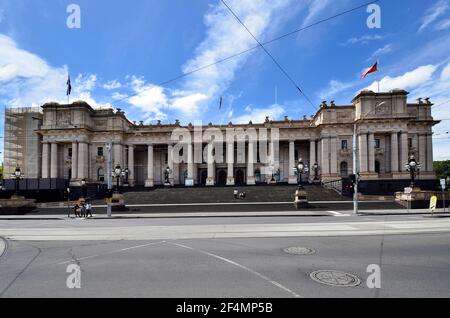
[100, 175]
[344, 169]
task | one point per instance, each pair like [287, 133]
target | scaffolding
[22, 145]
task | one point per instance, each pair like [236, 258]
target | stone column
[211, 166]
[394, 153]
[230, 162]
[54, 161]
[429, 164]
[45, 159]
[363, 162]
[333, 156]
[292, 163]
[423, 151]
[190, 162]
[150, 182]
[170, 163]
[404, 151]
[371, 146]
[250, 164]
[131, 177]
[325, 166]
[74, 161]
[82, 160]
[118, 156]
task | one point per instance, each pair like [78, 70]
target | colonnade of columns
[324, 152]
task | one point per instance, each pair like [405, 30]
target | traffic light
[353, 178]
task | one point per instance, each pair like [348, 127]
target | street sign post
[443, 186]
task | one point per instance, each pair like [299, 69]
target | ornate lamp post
[84, 188]
[316, 171]
[413, 167]
[17, 176]
[301, 169]
[118, 174]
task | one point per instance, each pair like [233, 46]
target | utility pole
[110, 168]
[355, 170]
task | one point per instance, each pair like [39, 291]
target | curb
[3, 246]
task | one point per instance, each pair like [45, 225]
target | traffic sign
[433, 203]
[443, 184]
[408, 190]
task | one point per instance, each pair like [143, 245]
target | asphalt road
[412, 265]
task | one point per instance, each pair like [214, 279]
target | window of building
[377, 167]
[377, 143]
[100, 151]
[70, 152]
[344, 145]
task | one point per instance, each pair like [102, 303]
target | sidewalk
[119, 215]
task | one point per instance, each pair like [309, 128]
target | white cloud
[258, 115]
[315, 8]
[335, 87]
[15, 62]
[117, 96]
[111, 85]
[433, 13]
[150, 98]
[365, 39]
[85, 82]
[28, 80]
[221, 26]
[443, 25]
[381, 51]
[408, 80]
[445, 75]
[188, 103]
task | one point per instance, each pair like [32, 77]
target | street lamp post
[17, 176]
[413, 167]
[316, 171]
[83, 188]
[301, 168]
[118, 173]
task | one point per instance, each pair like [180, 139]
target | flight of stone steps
[279, 193]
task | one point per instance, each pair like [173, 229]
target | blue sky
[126, 48]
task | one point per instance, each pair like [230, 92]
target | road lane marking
[112, 252]
[337, 214]
[242, 267]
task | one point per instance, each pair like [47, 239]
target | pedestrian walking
[89, 209]
[83, 210]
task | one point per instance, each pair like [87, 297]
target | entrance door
[222, 178]
[240, 177]
[203, 177]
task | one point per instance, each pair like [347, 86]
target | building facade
[75, 143]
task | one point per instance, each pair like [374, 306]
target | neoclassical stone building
[389, 130]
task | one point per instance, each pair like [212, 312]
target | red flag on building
[371, 70]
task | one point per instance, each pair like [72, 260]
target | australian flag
[69, 86]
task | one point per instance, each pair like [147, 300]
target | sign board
[443, 184]
[189, 182]
[408, 190]
[433, 203]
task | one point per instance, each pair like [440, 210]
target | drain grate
[297, 250]
[335, 278]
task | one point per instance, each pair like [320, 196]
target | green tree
[442, 169]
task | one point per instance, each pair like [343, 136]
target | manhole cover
[296, 250]
[335, 278]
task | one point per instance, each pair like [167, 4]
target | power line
[441, 104]
[268, 53]
[247, 51]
